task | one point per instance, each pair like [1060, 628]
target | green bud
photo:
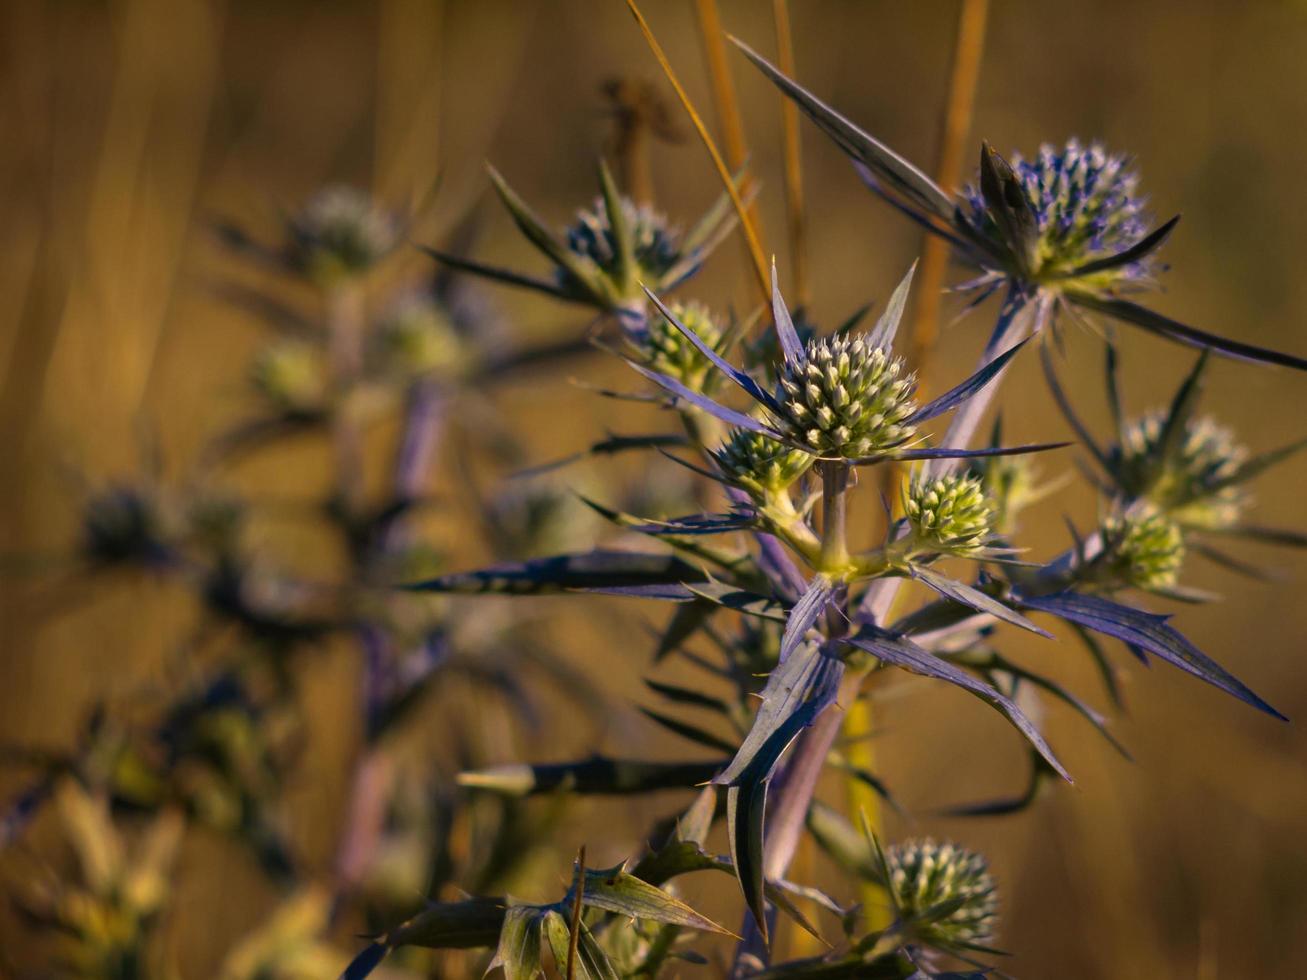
[846, 398]
[925, 875]
[761, 466]
[668, 351]
[1185, 483]
[416, 337]
[1142, 551]
[292, 374]
[950, 514]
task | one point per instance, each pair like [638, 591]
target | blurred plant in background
[788, 614]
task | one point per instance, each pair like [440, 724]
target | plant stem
[834, 516]
[345, 320]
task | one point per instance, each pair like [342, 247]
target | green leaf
[688, 696]
[518, 952]
[623, 236]
[496, 274]
[1008, 205]
[592, 962]
[561, 573]
[597, 775]
[688, 731]
[1145, 246]
[746, 807]
[616, 891]
[975, 599]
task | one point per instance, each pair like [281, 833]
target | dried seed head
[1086, 206]
[760, 465]
[925, 875]
[846, 398]
[340, 232]
[666, 350]
[292, 374]
[950, 514]
[1143, 551]
[657, 243]
[1187, 483]
[416, 337]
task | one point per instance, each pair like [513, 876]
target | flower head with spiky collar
[1143, 551]
[943, 893]
[951, 514]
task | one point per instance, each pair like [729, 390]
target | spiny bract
[760, 465]
[1186, 483]
[950, 513]
[846, 398]
[925, 874]
[1144, 551]
[1086, 207]
[666, 350]
[340, 232]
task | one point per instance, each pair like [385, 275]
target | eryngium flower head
[340, 232]
[761, 466]
[1086, 207]
[1189, 482]
[124, 525]
[928, 879]
[846, 398]
[1144, 551]
[666, 350]
[1010, 484]
[655, 243]
[416, 337]
[292, 374]
[951, 514]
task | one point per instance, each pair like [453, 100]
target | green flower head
[944, 893]
[846, 398]
[761, 466]
[416, 337]
[1188, 481]
[666, 350]
[292, 375]
[1143, 551]
[340, 232]
[950, 514]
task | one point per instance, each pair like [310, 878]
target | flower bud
[761, 466]
[656, 244]
[846, 398]
[925, 875]
[339, 233]
[1143, 551]
[1086, 207]
[292, 374]
[1186, 483]
[416, 337]
[950, 514]
[668, 351]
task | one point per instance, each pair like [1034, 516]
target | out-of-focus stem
[631, 138]
[793, 159]
[344, 303]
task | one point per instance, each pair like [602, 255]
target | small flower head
[1086, 207]
[1143, 551]
[950, 514]
[1010, 483]
[761, 466]
[340, 232]
[292, 375]
[655, 242]
[846, 398]
[417, 337]
[1188, 483]
[666, 350]
[945, 894]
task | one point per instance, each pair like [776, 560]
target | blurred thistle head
[846, 398]
[605, 255]
[762, 467]
[416, 337]
[662, 347]
[950, 514]
[1141, 550]
[124, 525]
[1187, 477]
[944, 894]
[1085, 206]
[292, 375]
[339, 233]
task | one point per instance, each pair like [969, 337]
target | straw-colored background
[126, 124]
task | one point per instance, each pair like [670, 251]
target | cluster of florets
[340, 232]
[1190, 482]
[1144, 551]
[656, 243]
[668, 351]
[845, 398]
[759, 465]
[416, 337]
[950, 514]
[944, 893]
[1010, 484]
[292, 375]
[1086, 205]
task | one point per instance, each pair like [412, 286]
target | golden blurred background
[128, 126]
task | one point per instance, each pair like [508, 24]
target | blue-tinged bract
[655, 242]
